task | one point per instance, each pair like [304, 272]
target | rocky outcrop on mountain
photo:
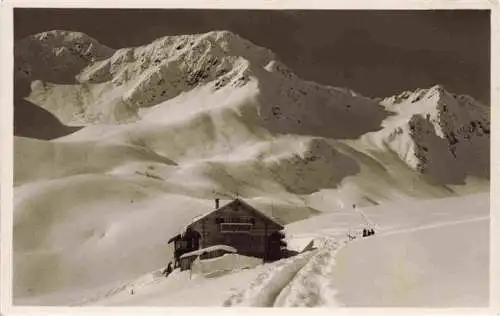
[439, 133]
[56, 56]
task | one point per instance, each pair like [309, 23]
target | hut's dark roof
[237, 200]
[176, 237]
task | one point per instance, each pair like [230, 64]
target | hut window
[235, 227]
[181, 244]
[234, 219]
[219, 220]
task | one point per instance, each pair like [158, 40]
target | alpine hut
[235, 224]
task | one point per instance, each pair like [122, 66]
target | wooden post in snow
[370, 224]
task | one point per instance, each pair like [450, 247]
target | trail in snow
[430, 226]
[303, 280]
[127, 286]
[311, 286]
[264, 289]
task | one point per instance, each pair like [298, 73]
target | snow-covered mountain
[56, 56]
[168, 125]
[115, 89]
[438, 133]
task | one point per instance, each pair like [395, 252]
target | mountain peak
[433, 128]
[413, 96]
[438, 88]
[56, 41]
[56, 56]
[61, 36]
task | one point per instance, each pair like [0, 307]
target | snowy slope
[171, 124]
[436, 258]
[440, 266]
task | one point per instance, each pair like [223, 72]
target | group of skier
[368, 232]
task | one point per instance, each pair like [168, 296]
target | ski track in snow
[264, 289]
[301, 281]
[311, 286]
[128, 286]
[430, 226]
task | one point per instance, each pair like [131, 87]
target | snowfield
[146, 137]
[437, 266]
[444, 264]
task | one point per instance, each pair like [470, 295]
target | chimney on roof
[216, 203]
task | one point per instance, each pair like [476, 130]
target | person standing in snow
[168, 269]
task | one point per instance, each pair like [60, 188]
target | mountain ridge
[163, 79]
